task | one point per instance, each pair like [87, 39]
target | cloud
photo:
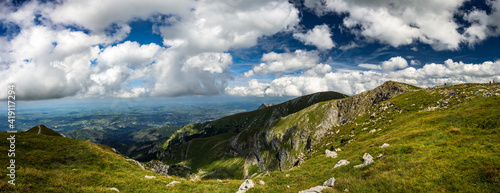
[394, 63]
[370, 66]
[319, 36]
[415, 62]
[483, 25]
[75, 48]
[354, 81]
[285, 62]
[398, 22]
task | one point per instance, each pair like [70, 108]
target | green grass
[450, 150]
[453, 149]
[57, 164]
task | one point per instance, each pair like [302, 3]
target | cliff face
[271, 139]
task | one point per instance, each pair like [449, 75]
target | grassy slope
[445, 150]
[448, 150]
[57, 164]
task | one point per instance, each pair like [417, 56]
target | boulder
[247, 184]
[330, 182]
[384, 145]
[173, 183]
[368, 160]
[341, 162]
[315, 189]
[331, 154]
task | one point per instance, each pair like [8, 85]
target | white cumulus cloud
[394, 63]
[285, 62]
[355, 81]
[76, 48]
[319, 36]
[398, 22]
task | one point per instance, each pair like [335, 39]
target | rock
[380, 156]
[287, 186]
[330, 182]
[372, 131]
[219, 180]
[114, 189]
[149, 177]
[158, 167]
[368, 160]
[346, 190]
[287, 175]
[384, 145]
[173, 183]
[341, 162]
[364, 129]
[261, 182]
[331, 154]
[371, 145]
[338, 149]
[247, 184]
[314, 189]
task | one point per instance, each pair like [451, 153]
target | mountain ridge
[269, 147]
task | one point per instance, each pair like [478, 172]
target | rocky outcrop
[157, 167]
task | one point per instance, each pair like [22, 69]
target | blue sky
[88, 49]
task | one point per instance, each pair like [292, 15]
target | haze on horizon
[109, 49]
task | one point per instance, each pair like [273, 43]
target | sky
[168, 48]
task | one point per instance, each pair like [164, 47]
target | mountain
[274, 138]
[394, 138]
[43, 130]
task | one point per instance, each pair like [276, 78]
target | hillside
[271, 144]
[440, 139]
[57, 164]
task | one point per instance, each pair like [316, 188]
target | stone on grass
[149, 177]
[315, 189]
[331, 154]
[384, 145]
[368, 160]
[261, 182]
[346, 190]
[380, 156]
[341, 162]
[330, 182]
[247, 184]
[114, 189]
[173, 183]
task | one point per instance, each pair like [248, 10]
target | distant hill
[43, 130]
